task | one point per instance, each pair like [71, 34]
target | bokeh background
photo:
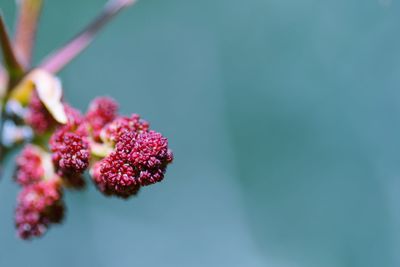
[284, 117]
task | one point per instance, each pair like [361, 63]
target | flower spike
[122, 153]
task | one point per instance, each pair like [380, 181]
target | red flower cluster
[70, 149]
[70, 152]
[139, 158]
[29, 169]
[39, 205]
[122, 152]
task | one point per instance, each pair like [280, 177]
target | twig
[3, 148]
[3, 81]
[56, 61]
[11, 62]
[29, 12]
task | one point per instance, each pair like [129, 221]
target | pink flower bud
[102, 110]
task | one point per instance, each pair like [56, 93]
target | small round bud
[102, 110]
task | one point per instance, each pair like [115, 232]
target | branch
[11, 62]
[3, 81]
[29, 12]
[56, 61]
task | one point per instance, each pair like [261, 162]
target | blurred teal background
[284, 117]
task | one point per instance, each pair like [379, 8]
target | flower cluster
[138, 156]
[39, 205]
[138, 159]
[29, 169]
[70, 149]
[122, 153]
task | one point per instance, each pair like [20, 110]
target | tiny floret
[113, 131]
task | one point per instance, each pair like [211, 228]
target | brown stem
[29, 12]
[56, 61]
[3, 81]
[14, 68]
[3, 149]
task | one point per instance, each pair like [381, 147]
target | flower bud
[102, 110]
